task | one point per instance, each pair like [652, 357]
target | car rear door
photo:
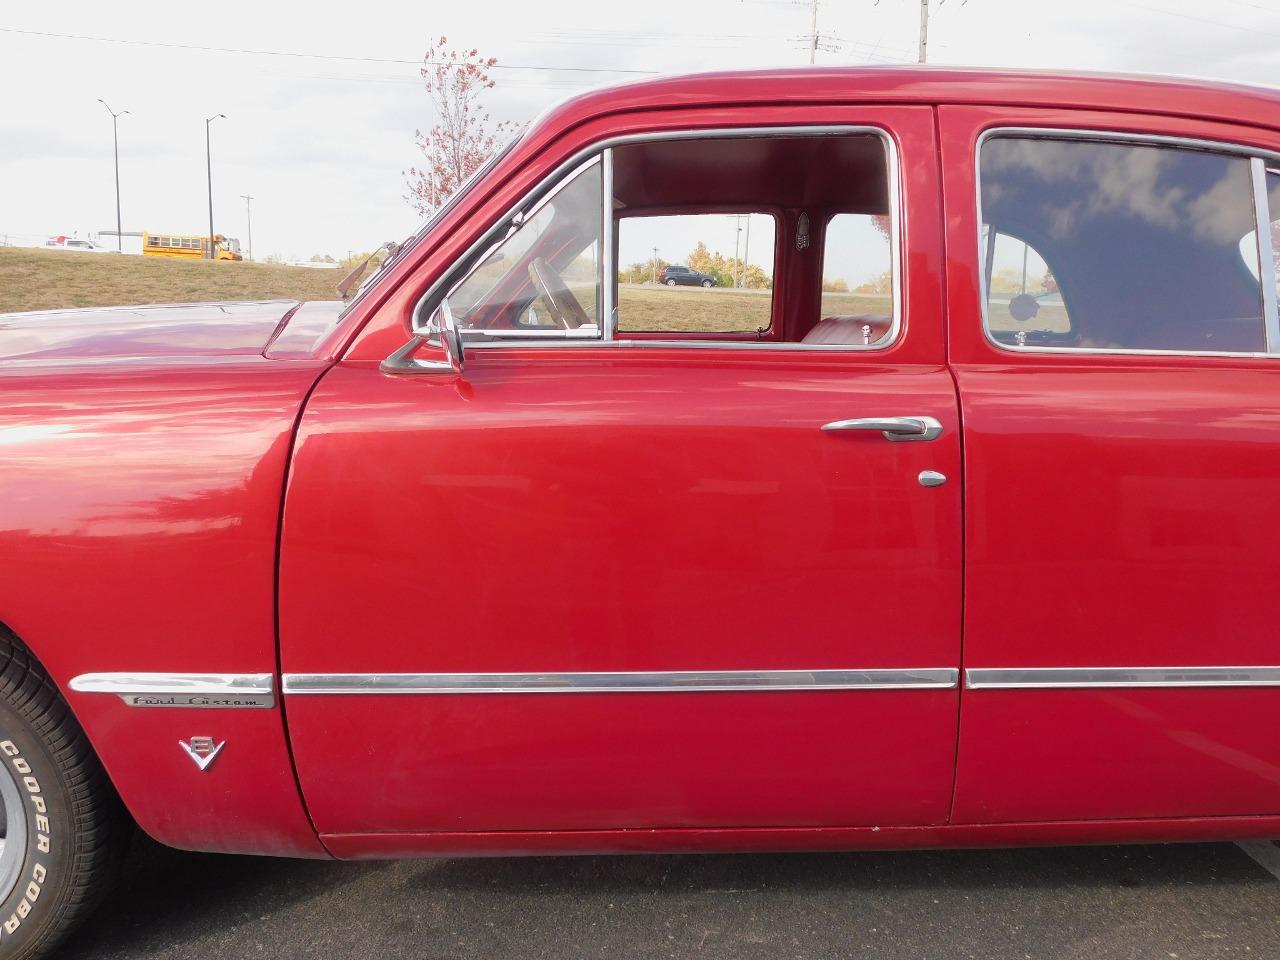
[597, 586]
[1122, 446]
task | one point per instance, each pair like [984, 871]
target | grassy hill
[48, 279]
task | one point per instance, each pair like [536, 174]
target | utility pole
[208, 163]
[248, 216]
[746, 249]
[813, 30]
[924, 28]
[115, 145]
[655, 264]
[737, 240]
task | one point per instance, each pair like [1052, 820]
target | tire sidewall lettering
[39, 839]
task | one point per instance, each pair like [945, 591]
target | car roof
[1208, 99]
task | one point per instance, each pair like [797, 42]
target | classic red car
[960, 530]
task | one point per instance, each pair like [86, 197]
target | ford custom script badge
[217, 690]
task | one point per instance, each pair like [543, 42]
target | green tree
[1008, 280]
[704, 261]
[642, 271]
[881, 284]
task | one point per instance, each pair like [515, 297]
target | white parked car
[71, 243]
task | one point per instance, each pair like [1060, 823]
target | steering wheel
[564, 306]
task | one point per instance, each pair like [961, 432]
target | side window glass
[1139, 243]
[857, 274]
[696, 273]
[544, 277]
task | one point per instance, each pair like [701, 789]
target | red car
[963, 533]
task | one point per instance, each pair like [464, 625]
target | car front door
[1118, 385]
[588, 585]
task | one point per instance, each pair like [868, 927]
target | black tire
[76, 827]
[706, 284]
[671, 283]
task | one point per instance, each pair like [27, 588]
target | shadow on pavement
[176, 905]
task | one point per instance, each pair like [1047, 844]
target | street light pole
[248, 215]
[115, 149]
[208, 163]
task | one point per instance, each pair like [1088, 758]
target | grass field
[49, 279]
[52, 279]
[647, 308]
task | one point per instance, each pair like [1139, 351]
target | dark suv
[677, 274]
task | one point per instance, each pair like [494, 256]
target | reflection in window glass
[1143, 241]
[1022, 292]
[696, 273]
[857, 271]
[1273, 193]
[545, 275]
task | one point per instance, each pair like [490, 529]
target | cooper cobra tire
[70, 828]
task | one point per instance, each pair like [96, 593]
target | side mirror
[450, 336]
[440, 329]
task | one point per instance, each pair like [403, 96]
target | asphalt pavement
[1083, 903]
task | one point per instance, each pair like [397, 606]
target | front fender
[142, 504]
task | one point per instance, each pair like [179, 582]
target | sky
[320, 120]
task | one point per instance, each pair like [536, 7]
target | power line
[293, 54]
[1255, 6]
[1187, 16]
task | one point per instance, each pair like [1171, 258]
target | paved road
[1183, 902]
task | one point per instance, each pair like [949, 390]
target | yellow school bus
[189, 246]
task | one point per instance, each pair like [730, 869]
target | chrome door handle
[891, 428]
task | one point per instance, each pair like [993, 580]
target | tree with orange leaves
[463, 136]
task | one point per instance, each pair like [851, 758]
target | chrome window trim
[1028, 678]
[897, 222]
[608, 268]
[514, 221]
[661, 681]
[1266, 255]
[1113, 136]
[182, 689]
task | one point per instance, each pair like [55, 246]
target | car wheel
[671, 283]
[706, 283]
[64, 827]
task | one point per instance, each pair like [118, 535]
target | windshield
[413, 240]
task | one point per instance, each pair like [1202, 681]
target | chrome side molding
[1024, 678]
[663, 681]
[219, 690]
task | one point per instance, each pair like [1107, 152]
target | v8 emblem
[202, 750]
